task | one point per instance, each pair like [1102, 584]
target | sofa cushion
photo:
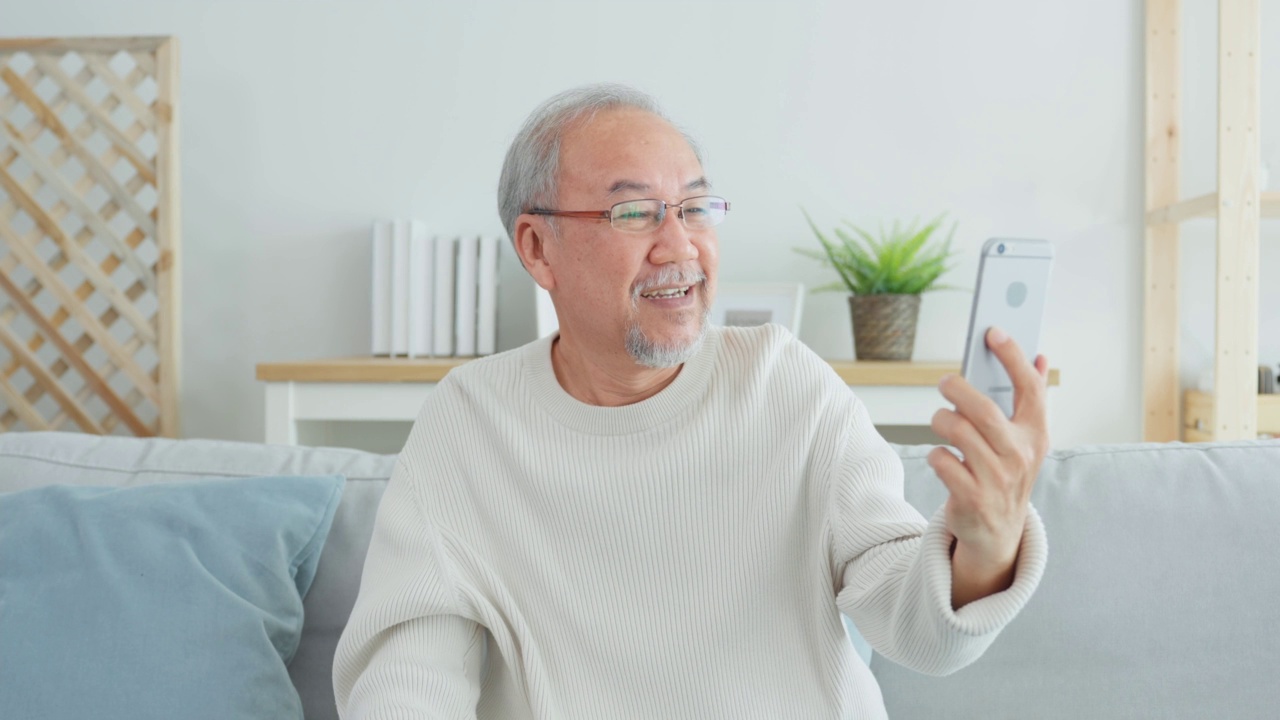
[176, 600]
[31, 459]
[1157, 599]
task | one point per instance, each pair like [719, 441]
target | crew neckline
[689, 384]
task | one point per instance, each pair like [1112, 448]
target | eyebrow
[701, 183]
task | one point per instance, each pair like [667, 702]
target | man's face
[612, 288]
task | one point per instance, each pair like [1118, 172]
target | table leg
[281, 426]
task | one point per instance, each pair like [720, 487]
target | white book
[446, 248]
[487, 296]
[400, 288]
[422, 276]
[465, 306]
[380, 288]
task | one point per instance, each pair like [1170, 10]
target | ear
[532, 237]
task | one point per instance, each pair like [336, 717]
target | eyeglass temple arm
[573, 213]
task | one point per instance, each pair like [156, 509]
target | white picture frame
[745, 304]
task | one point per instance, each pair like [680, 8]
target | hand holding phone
[990, 478]
[1013, 280]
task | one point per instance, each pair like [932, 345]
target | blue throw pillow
[176, 600]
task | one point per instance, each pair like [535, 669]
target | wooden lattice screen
[89, 235]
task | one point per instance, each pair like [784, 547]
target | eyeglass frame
[608, 214]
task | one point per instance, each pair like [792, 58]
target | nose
[672, 241]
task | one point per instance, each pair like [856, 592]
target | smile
[667, 292]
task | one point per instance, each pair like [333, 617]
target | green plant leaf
[906, 259]
[832, 254]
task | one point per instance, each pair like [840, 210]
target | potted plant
[884, 277]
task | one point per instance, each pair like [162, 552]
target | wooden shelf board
[884, 372]
[1206, 206]
[360, 369]
[381, 369]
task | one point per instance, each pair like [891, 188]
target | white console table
[374, 389]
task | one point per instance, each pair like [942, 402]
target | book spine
[487, 296]
[380, 289]
[421, 282]
[465, 304]
[446, 249]
[400, 288]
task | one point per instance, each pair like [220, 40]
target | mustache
[668, 276]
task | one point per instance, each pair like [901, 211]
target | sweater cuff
[989, 614]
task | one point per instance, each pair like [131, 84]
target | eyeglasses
[636, 216]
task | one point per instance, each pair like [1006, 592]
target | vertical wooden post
[168, 232]
[1235, 397]
[1160, 387]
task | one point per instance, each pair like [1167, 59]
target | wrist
[978, 572]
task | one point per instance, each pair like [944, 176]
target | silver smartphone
[1013, 279]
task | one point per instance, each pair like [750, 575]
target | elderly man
[646, 517]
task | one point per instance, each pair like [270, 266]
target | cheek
[709, 252]
[604, 278]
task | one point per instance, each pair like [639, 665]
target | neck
[606, 382]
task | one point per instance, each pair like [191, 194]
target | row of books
[433, 295]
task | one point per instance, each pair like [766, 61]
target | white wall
[304, 121]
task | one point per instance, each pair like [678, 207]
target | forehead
[625, 145]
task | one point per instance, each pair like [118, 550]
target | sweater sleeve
[895, 569]
[406, 652]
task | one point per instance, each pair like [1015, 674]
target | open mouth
[667, 293]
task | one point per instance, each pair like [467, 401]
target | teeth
[673, 292]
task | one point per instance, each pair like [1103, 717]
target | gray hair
[530, 173]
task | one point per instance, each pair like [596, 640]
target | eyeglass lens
[641, 215]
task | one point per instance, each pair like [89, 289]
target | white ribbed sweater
[687, 556]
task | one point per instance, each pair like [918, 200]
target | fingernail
[944, 379]
[998, 336]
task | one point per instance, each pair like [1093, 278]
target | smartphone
[1013, 279]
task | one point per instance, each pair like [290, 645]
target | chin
[666, 352]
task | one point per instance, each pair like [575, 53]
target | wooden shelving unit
[1232, 411]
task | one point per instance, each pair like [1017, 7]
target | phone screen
[1013, 279]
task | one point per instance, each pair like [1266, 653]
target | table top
[421, 370]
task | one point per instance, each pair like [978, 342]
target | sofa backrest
[39, 458]
[1157, 601]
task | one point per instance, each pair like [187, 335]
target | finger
[979, 457]
[953, 474]
[981, 411]
[1042, 367]
[1028, 385]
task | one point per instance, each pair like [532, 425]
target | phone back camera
[1000, 248]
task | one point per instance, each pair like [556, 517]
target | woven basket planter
[884, 326]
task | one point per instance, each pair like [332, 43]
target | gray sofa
[1163, 569]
